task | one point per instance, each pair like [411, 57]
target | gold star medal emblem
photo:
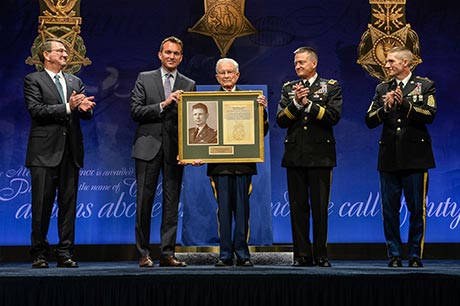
[224, 21]
[61, 19]
[388, 29]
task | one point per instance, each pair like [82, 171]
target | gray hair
[227, 60]
[309, 50]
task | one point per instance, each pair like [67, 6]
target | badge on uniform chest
[416, 93]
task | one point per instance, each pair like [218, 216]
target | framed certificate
[219, 126]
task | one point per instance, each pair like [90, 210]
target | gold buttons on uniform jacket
[305, 128]
[399, 119]
[398, 129]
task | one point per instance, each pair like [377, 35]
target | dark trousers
[415, 186]
[147, 173]
[45, 182]
[232, 194]
[309, 189]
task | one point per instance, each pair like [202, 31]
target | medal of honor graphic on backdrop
[388, 29]
[61, 19]
[224, 21]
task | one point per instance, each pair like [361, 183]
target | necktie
[59, 87]
[306, 83]
[167, 85]
[401, 85]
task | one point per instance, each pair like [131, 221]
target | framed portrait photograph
[219, 126]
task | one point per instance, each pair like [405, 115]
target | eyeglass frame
[60, 50]
[233, 72]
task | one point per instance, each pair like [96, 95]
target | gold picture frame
[232, 131]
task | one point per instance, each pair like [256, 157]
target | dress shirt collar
[312, 79]
[52, 74]
[233, 89]
[405, 80]
[164, 72]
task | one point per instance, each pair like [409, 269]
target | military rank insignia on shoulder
[286, 84]
[332, 82]
[424, 78]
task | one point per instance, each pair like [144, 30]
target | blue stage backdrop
[122, 39]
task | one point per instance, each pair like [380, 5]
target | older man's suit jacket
[51, 125]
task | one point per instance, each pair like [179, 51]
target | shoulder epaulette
[423, 78]
[286, 84]
[332, 81]
[387, 81]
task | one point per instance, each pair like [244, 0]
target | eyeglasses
[232, 72]
[59, 50]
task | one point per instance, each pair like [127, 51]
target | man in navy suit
[56, 102]
[154, 107]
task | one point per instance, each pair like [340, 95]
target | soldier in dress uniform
[309, 108]
[202, 133]
[404, 105]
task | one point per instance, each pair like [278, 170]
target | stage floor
[352, 283]
[125, 268]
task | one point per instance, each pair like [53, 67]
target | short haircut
[172, 39]
[227, 60]
[311, 52]
[403, 53]
[46, 45]
[202, 106]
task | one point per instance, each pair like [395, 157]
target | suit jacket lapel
[50, 83]
[158, 81]
[178, 82]
[68, 85]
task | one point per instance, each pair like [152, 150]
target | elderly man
[232, 183]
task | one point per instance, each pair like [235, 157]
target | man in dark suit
[232, 183]
[309, 108]
[154, 106]
[56, 102]
[201, 133]
[404, 105]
